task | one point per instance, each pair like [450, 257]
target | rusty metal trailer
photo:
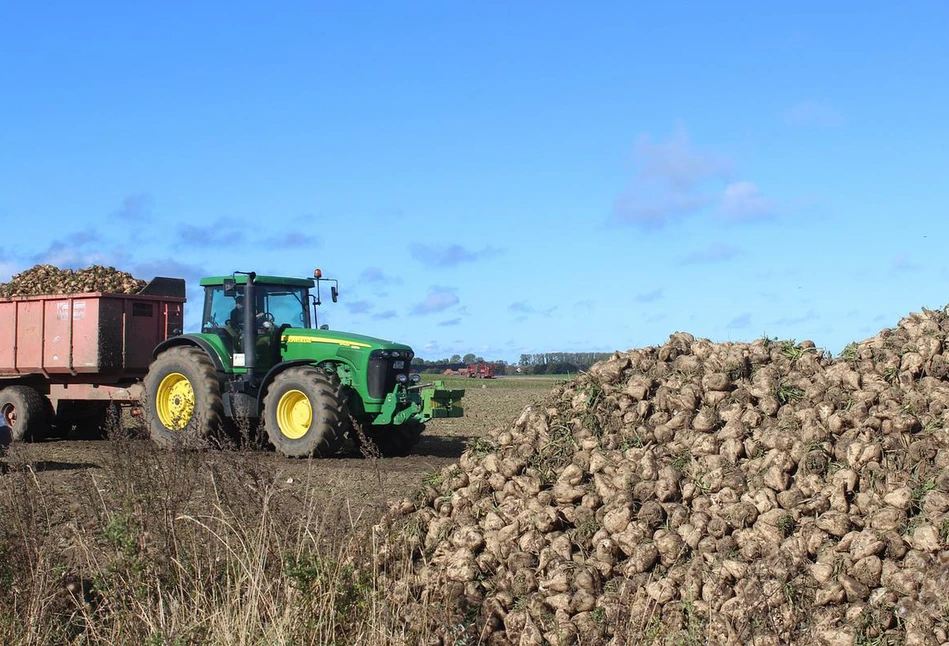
[64, 358]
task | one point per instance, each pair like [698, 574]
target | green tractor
[309, 386]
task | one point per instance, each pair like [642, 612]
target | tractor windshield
[287, 304]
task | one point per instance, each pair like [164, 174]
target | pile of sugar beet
[698, 492]
[41, 280]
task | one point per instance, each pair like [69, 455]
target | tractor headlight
[401, 378]
[416, 378]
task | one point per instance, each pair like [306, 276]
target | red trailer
[69, 356]
[481, 370]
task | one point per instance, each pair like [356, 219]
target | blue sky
[496, 178]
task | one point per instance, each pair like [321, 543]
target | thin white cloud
[717, 252]
[358, 307]
[377, 276]
[670, 182]
[740, 322]
[79, 249]
[744, 201]
[525, 309]
[648, 297]
[439, 299]
[813, 113]
[136, 207]
[811, 315]
[903, 263]
[292, 241]
[676, 161]
[221, 232]
[449, 256]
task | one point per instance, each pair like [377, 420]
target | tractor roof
[241, 279]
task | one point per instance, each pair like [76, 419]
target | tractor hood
[343, 340]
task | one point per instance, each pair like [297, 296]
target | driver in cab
[235, 324]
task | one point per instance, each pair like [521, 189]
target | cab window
[287, 304]
[217, 308]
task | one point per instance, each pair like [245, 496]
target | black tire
[183, 405]
[24, 411]
[396, 441]
[305, 413]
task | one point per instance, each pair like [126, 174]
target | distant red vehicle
[481, 371]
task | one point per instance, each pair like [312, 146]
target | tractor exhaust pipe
[250, 326]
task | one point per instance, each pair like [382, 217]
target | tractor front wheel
[183, 405]
[23, 411]
[304, 413]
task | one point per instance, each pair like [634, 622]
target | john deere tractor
[258, 359]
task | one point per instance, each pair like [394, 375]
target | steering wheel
[265, 321]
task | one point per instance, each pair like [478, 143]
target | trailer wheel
[305, 414]
[23, 411]
[397, 440]
[183, 405]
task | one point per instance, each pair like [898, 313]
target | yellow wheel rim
[294, 414]
[174, 401]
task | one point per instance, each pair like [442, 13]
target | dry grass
[181, 548]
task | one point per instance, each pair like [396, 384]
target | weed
[681, 461]
[933, 424]
[920, 489]
[768, 341]
[434, 479]
[786, 393]
[786, 524]
[850, 352]
[481, 446]
[791, 350]
[554, 455]
[891, 374]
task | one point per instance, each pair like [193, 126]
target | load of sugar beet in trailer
[73, 342]
[718, 492]
[93, 320]
[42, 280]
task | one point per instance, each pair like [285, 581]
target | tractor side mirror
[230, 287]
[334, 292]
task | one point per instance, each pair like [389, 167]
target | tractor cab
[239, 316]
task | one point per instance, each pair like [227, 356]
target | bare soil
[360, 488]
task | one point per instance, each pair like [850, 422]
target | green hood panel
[340, 339]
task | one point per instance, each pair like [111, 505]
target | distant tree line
[549, 363]
[558, 363]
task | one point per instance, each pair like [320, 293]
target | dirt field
[358, 488]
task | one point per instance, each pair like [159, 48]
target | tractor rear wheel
[23, 411]
[397, 440]
[183, 405]
[305, 413]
